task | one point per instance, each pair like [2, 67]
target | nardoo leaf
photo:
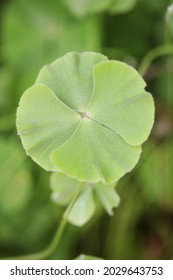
[70, 78]
[96, 153]
[63, 189]
[44, 123]
[87, 117]
[84, 7]
[108, 196]
[83, 208]
[120, 102]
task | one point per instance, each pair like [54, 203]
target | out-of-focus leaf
[83, 208]
[108, 196]
[169, 19]
[87, 257]
[15, 179]
[119, 6]
[63, 188]
[84, 7]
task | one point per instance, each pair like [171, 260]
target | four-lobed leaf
[87, 117]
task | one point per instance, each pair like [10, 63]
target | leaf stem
[57, 237]
[153, 54]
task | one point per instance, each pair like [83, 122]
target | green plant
[84, 119]
[85, 7]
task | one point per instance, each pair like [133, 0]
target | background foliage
[35, 32]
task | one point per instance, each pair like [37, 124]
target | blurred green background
[34, 33]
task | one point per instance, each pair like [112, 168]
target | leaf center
[83, 115]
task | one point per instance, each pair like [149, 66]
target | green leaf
[87, 118]
[50, 124]
[83, 208]
[70, 78]
[119, 6]
[63, 188]
[96, 153]
[84, 7]
[108, 196]
[119, 93]
[87, 257]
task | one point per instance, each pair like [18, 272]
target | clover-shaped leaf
[87, 117]
[63, 189]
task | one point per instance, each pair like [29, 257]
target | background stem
[153, 54]
[57, 237]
